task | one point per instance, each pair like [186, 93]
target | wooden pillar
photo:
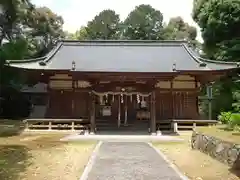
[209, 95]
[175, 127]
[74, 83]
[72, 127]
[196, 97]
[125, 111]
[153, 113]
[27, 125]
[119, 110]
[172, 101]
[92, 115]
[49, 125]
[73, 106]
[194, 126]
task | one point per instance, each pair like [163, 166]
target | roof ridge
[119, 41]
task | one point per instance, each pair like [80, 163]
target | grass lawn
[193, 163]
[220, 132]
[40, 156]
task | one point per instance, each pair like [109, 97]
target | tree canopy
[40, 27]
[177, 29]
[14, 18]
[105, 25]
[46, 29]
[219, 22]
[80, 34]
[26, 31]
[144, 22]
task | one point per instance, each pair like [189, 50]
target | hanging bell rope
[138, 98]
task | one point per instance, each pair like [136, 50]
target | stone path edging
[182, 176]
[90, 163]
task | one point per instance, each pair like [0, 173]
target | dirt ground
[221, 132]
[193, 163]
[42, 157]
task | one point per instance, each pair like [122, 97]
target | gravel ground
[130, 161]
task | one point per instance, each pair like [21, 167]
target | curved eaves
[42, 61]
[52, 53]
[212, 64]
[9, 62]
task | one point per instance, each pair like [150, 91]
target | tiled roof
[123, 56]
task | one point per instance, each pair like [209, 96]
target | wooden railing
[182, 124]
[84, 124]
[57, 124]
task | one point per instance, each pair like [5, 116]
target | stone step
[130, 124]
[110, 125]
[129, 127]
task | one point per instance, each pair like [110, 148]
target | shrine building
[119, 83]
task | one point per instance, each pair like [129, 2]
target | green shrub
[234, 120]
[224, 117]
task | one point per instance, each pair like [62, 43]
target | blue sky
[77, 13]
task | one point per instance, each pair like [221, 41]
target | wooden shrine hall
[120, 83]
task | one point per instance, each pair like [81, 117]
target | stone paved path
[130, 161]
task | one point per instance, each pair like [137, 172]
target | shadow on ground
[230, 130]
[236, 167]
[236, 133]
[7, 130]
[14, 159]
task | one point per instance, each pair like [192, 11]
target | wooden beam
[113, 85]
[121, 76]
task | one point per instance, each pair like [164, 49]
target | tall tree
[144, 22]
[16, 49]
[46, 29]
[219, 22]
[29, 31]
[177, 29]
[104, 26]
[14, 16]
[81, 34]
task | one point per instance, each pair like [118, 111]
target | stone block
[225, 152]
